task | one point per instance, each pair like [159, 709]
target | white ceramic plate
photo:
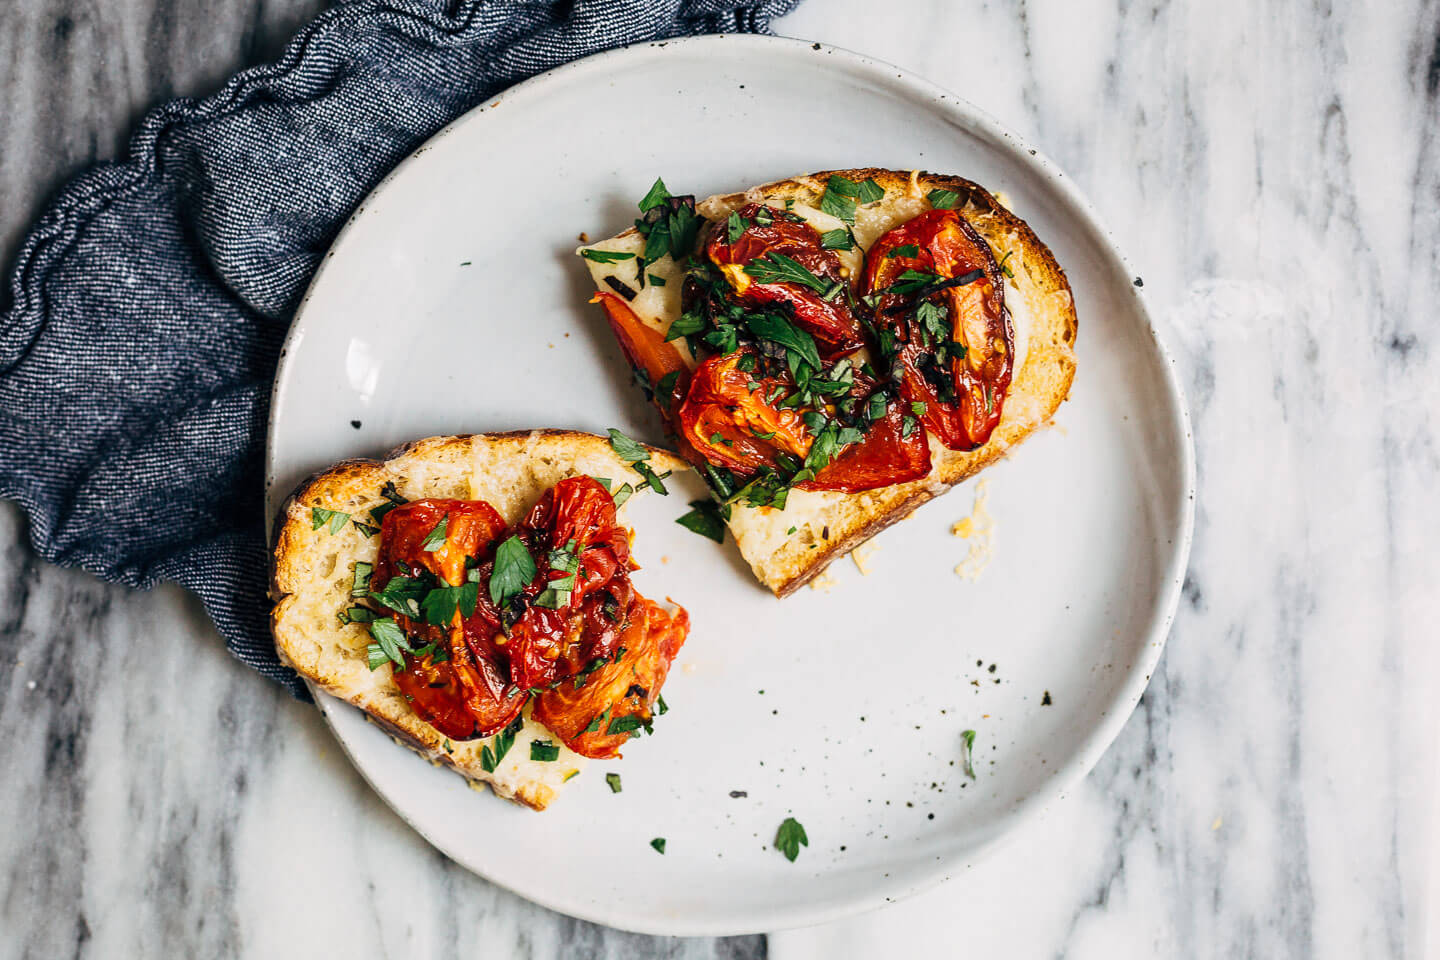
[842, 708]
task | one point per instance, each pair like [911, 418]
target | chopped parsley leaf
[319, 517]
[837, 239]
[778, 268]
[790, 838]
[391, 640]
[436, 538]
[656, 197]
[625, 724]
[545, 750]
[613, 779]
[606, 256]
[704, 518]
[777, 329]
[734, 227]
[627, 449]
[361, 584]
[967, 738]
[502, 743]
[943, 199]
[514, 568]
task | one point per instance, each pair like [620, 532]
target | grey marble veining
[1274, 170]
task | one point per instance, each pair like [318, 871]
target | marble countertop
[1272, 168]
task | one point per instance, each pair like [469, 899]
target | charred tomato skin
[734, 420]
[577, 516]
[974, 386]
[836, 329]
[464, 696]
[619, 688]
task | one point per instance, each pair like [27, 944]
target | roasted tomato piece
[596, 712]
[830, 321]
[646, 349]
[581, 589]
[459, 688]
[885, 456]
[732, 419]
[959, 362]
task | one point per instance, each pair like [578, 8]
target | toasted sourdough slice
[314, 570]
[830, 524]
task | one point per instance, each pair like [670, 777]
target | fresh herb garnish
[361, 584]
[514, 568]
[651, 477]
[545, 750]
[908, 250]
[918, 407]
[436, 538]
[842, 194]
[625, 724]
[778, 268]
[943, 199]
[358, 615]
[390, 639]
[627, 449]
[790, 838]
[911, 281]
[606, 256]
[365, 528]
[657, 280]
[319, 517]
[656, 197]
[502, 743]
[967, 753]
[734, 227]
[837, 239]
[776, 329]
[659, 844]
[392, 498]
[622, 494]
[931, 317]
[1005, 269]
[704, 518]
[401, 594]
[613, 779]
[685, 325]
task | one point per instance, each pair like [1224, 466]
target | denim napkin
[149, 302]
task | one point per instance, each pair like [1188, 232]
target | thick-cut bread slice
[827, 524]
[314, 570]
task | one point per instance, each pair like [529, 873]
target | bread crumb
[861, 555]
[687, 667]
[824, 581]
[665, 558]
[1216, 824]
[979, 529]
[584, 237]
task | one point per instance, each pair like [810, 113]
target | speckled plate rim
[1118, 711]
